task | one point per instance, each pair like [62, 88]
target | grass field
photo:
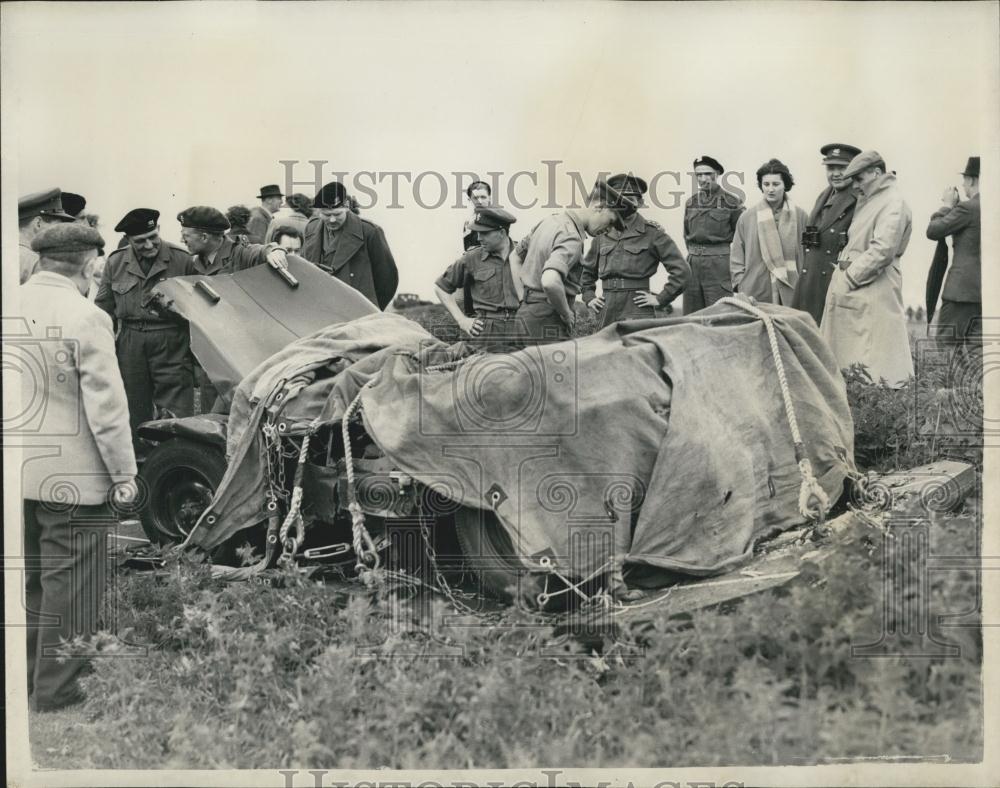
[244, 676]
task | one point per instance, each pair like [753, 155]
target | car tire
[180, 478]
[491, 557]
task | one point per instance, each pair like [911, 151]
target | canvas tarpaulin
[666, 440]
[311, 381]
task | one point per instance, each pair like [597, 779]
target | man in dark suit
[961, 301]
[352, 249]
[826, 232]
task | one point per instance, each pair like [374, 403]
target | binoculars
[810, 238]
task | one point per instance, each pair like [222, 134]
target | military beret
[138, 221]
[73, 204]
[708, 161]
[838, 153]
[629, 184]
[66, 237]
[491, 218]
[45, 203]
[205, 218]
[863, 161]
[613, 198]
[333, 195]
[272, 190]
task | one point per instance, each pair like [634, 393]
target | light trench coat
[863, 318]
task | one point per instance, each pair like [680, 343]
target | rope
[813, 500]
[364, 547]
[294, 516]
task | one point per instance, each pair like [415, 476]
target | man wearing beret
[203, 230]
[826, 233]
[483, 275]
[863, 317]
[77, 457]
[710, 216]
[35, 212]
[153, 350]
[260, 215]
[961, 301]
[624, 260]
[352, 249]
[549, 263]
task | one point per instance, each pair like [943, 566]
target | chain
[442, 586]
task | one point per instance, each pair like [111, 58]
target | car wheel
[491, 557]
[181, 478]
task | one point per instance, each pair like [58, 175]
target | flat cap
[863, 161]
[44, 203]
[67, 237]
[708, 161]
[205, 218]
[630, 185]
[73, 204]
[138, 221]
[271, 190]
[491, 218]
[838, 153]
[333, 195]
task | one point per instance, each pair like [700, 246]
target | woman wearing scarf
[767, 255]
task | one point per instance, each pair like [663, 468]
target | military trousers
[710, 281]
[540, 322]
[156, 368]
[619, 305]
[208, 396]
[501, 332]
[65, 557]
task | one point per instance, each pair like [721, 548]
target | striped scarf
[779, 241]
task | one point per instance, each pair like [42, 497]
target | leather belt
[498, 314]
[532, 296]
[624, 283]
[707, 249]
[147, 325]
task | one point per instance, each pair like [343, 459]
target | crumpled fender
[208, 428]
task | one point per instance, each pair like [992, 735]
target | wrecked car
[651, 450]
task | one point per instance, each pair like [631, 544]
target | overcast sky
[175, 104]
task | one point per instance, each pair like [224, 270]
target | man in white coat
[864, 320]
[77, 461]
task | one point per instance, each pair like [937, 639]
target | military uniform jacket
[832, 215]
[125, 290]
[635, 253]
[964, 280]
[710, 218]
[82, 431]
[232, 256]
[492, 284]
[360, 257]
